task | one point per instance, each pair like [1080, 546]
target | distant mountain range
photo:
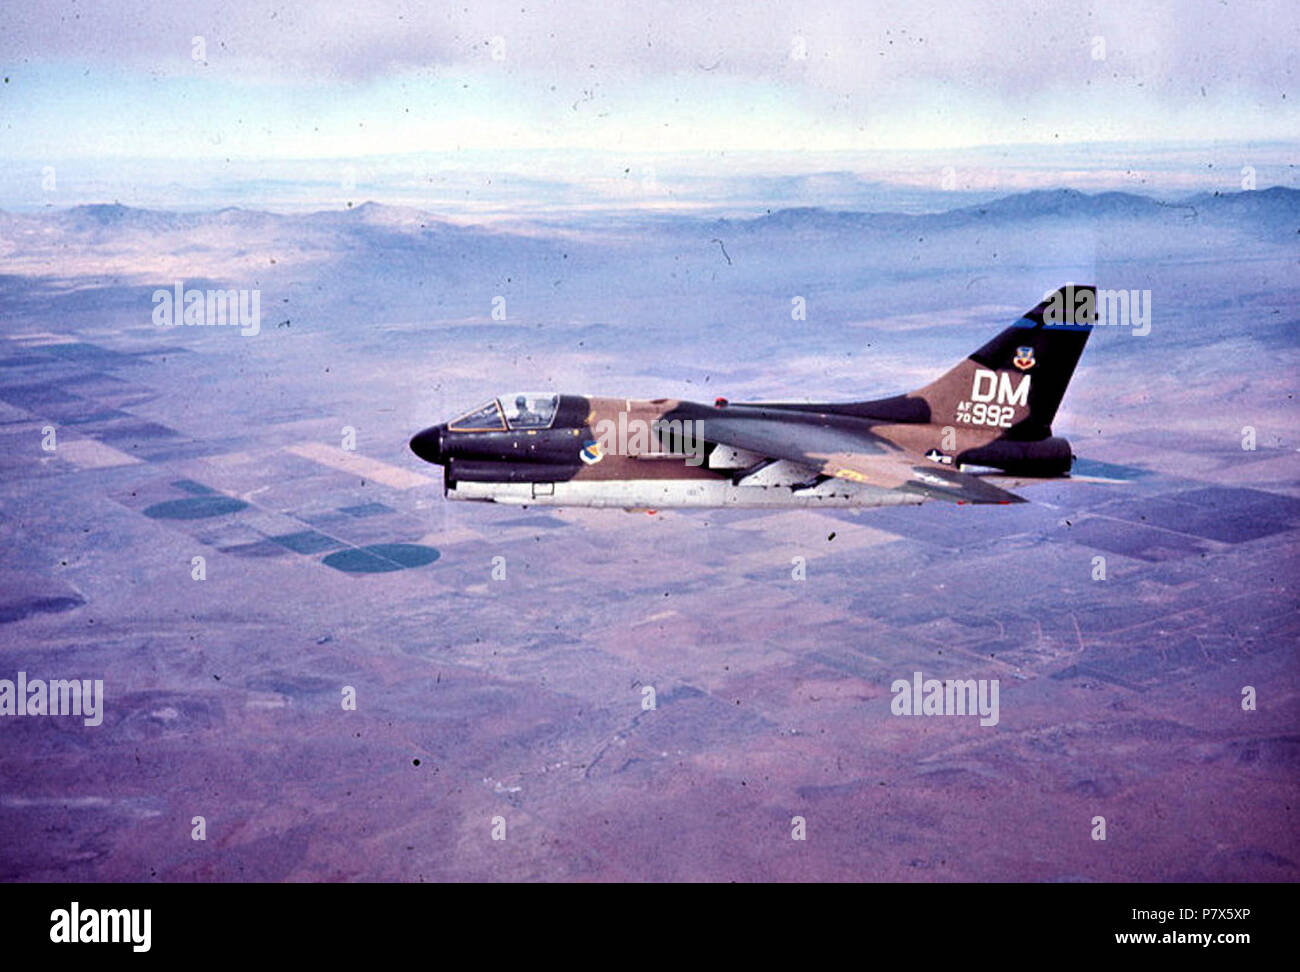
[1274, 206]
[1277, 205]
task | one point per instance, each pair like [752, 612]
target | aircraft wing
[855, 456]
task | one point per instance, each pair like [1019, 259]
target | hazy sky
[211, 81]
[316, 80]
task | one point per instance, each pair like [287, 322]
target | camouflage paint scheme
[992, 412]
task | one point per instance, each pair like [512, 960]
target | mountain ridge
[1032, 204]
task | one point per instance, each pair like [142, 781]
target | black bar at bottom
[524, 923]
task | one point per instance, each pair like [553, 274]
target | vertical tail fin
[1014, 384]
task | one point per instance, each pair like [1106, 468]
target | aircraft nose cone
[428, 444]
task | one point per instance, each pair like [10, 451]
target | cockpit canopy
[530, 411]
[526, 410]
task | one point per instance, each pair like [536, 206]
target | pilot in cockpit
[523, 415]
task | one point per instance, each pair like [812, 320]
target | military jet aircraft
[984, 425]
